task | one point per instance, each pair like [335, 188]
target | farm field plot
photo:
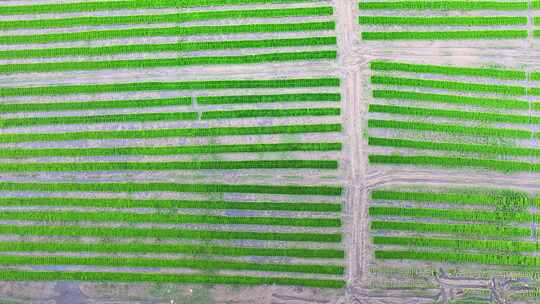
[429, 239]
[444, 20]
[453, 117]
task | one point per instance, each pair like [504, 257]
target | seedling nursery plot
[477, 232]
[197, 179]
[452, 117]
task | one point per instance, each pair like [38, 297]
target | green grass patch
[165, 47]
[22, 275]
[450, 85]
[454, 114]
[189, 249]
[162, 233]
[453, 99]
[270, 113]
[250, 99]
[447, 70]
[456, 162]
[159, 86]
[443, 5]
[168, 31]
[174, 150]
[442, 21]
[164, 133]
[458, 244]
[447, 35]
[168, 204]
[173, 187]
[165, 18]
[475, 230]
[453, 147]
[165, 62]
[93, 105]
[450, 129]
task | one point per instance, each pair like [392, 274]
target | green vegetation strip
[175, 150]
[451, 214]
[450, 129]
[446, 35]
[442, 21]
[248, 99]
[168, 31]
[453, 147]
[475, 230]
[489, 245]
[169, 204]
[200, 165]
[454, 114]
[452, 257]
[169, 248]
[271, 113]
[450, 85]
[159, 86]
[453, 99]
[447, 70]
[55, 120]
[93, 105]
[93, 6]
[165, 47]
[165, 18]
[171, 233]
[167, 263]
[73, 216]
[164, 133]
[166, 62]
[443, 5]
[172, 187]
[21, 275]
[456, 162]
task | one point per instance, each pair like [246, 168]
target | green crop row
[442, 21]
[456, 162]
[186, 165]
[443, 5]
[488, 245]
[165, 47]
[164, 62]
[164, 133]
[172, 187]
[167, 263]
[432, 197]
[451, 129]
[447, 35]
[175, 150]
[163, 233]
[159, 86]
[453, 99]
[454, 114]
[53, 120]
[451, 214]
[453, 147]
[189, 249]
[168, 204]
[93, 105]
[93, 6]
[21, 275]
[475, 230]
[101, 216]
[447, 70]
[168, 31]
[452, 257]
[248, 99]
[165, 18]
[271, 113]
[450, 85]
